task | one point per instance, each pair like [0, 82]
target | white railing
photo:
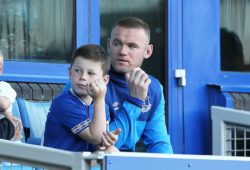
[221, 116]
[42, 157]
[53, 159]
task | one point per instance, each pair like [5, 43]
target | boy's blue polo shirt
[68, 116]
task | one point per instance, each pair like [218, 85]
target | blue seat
[33, 115]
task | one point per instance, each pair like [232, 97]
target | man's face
[127, 48]
[82, 72]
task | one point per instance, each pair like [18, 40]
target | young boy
[10, 126]
[77, 118]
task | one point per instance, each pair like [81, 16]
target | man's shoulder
[155, 91]
[155, 84]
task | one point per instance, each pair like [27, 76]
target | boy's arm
[93, 134]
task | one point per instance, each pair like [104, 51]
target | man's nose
[123, 50]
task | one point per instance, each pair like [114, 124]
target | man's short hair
[133, 22]
[94, 53]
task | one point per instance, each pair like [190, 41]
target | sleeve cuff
[135, 101]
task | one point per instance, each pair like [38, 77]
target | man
[132, 91]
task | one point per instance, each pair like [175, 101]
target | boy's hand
[109, 139]
[97, 89]
[138, 83]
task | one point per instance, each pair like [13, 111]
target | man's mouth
[122, 61]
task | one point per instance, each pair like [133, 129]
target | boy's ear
[69, 71]
[106, 79]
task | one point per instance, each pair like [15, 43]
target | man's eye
[91, 73]
[115, 43]
[132, 46]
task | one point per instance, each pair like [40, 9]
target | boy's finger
[105, 142]
[110, 138]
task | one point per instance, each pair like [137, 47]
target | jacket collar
[117, 77]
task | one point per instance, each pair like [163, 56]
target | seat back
[34, 115]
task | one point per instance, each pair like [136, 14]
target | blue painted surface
[237, 79]
[151, 163]
[88, 22]
[35, 72]
[95, 22]
[218, 97]
[175, 102]
[8, 166]
[201, 58]
[81, 22]
[194, 46]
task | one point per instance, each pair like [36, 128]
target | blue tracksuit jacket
[137, 119]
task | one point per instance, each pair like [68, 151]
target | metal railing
[31, 157]
[230, 131]
[40, 157]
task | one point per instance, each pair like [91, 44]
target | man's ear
[106, 79]
[148, 51]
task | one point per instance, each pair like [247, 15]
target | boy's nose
[83, 76]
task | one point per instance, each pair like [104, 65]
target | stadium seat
[33, 115]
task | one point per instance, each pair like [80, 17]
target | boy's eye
[77, 70]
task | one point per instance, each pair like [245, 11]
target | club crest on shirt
[115, 105]
[146, 106]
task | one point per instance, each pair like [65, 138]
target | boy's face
[82, 72]
[1, 65]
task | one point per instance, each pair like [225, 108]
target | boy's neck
[86, 100]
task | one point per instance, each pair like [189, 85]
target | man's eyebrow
[116, 39]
